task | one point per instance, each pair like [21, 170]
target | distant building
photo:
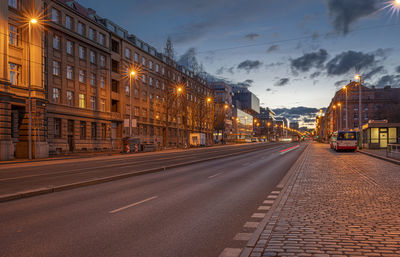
[246, 100]
[223, 124]
[265, 123]
[294, 125]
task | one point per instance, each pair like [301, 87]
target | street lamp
[340, 113]
[131, 74]
[333, 119]
[358, 77]
[31, 21]
[179, 91]
[347, 118]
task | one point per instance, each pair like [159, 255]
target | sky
[290, 53]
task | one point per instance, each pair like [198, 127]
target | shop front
[377, 135]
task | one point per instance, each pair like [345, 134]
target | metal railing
[393, 151]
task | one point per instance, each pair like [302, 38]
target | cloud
[273, 48]
[315, 74]
[389, 80]
[274, 64]
[373, 72]
[344, 13]
[252, 36]
[310, 60]
[268, 89]
[247, 83]
[249, 65]
[341, 83]
[223, 70]
[282, 82]
[346, 61]
[398, 69]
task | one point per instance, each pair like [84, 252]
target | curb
[284, 186]
[380, 157]
[47, 190]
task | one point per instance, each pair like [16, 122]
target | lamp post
[358, 77]
[179, 91]
[340, 116]
[32, 21]
[347, 118]
[131, 74]
[333, 118]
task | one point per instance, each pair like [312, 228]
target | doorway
[383, 136]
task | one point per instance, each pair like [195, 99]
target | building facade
[83, 97]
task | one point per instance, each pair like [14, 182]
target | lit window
[81, 28]
[13, 33]
[82, 101]
[55, 15]
[70, 47]
[15, 71]
[82, 76]
[56, 42]
[56, 95]
[56, 68]
[68, 22]
[70, 72]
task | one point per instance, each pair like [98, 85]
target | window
[56, 42]
[82, 76]
[163, 86]
[128, 53]
[70, 48]
[144, 96]
[91, 34]
[101, 39]
[82, 101]
[115, 66]
[92, 79]
[144, 78]
[92, 57]
[70, 98]
[70, 72]
[93, 126]
[157, 84]
[143, 61]
[127, 90]
[136, 57]
[13, 33]
[151, 97]
[93, 103]
[163, 71]
[115, 46]
[81, 28]
[13, 4]
[136, 93]
[81, 52]
[151, 65]
[102, 82]
[83, 130]
[102, 105]
[55, 15]
[56, 95]
[144, 113]
[136, 111]
[68, 22]
[15, 71]
[157, 68]
[56, 68]
[102, 61]
[150, 81]
[103, 130]
[57, 128]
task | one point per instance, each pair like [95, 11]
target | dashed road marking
[272, 197]
[258, 215]
[264, 208]
[250, 224]
[213, 176]
[268, 202]
[231, 252]
[133, 204]
[275, 192]
[243, 236]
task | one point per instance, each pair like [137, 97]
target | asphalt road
[194, 210]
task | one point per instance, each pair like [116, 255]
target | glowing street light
[132, 73]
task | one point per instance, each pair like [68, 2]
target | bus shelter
[377, 135]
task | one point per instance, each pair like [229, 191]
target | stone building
[81, 93]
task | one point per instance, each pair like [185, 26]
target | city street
[193, 210]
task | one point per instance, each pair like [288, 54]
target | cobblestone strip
[335, 204]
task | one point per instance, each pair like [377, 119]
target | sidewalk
[334, 204]
[380, 154]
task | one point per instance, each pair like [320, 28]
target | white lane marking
[213, 176]
[272, 197]
[243, 236]
[133, 204]
[268, 202]
[264, 208]
[231, 252]
[275, 192]
[251, 224]
[258, 215]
